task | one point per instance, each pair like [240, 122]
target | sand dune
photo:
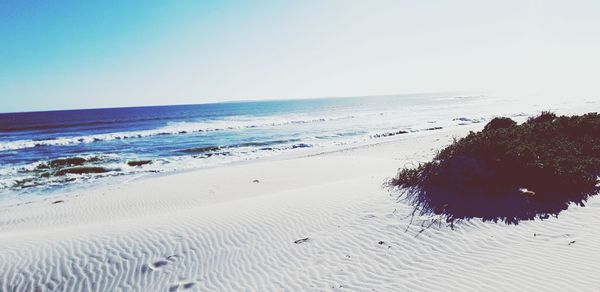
[318, 223]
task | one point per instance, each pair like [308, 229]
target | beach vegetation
[509, 172]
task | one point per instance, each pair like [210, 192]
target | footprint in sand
[157, 265]
[182, 286]
[555, 237]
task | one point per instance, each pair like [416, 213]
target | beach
[319, 221]
[299, 146]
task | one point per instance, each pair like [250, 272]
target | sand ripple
[356, 243]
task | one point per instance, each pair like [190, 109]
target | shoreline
[314, 222]
[118, 173]
[93, 186]
[127, 196]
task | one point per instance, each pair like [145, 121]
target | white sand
[217, 230]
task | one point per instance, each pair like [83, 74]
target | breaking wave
[180, 128]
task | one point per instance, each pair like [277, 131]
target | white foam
[175, 128]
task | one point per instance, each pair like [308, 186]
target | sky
[90, 54]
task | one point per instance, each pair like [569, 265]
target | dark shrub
[510, 173]
[499, 123]
[542, 118]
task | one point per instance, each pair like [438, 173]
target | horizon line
[233, 101]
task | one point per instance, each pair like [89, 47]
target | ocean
[47, 152]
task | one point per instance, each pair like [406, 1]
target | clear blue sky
[81, 54]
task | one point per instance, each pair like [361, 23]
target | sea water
[45, 152]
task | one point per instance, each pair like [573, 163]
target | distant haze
[75, 54]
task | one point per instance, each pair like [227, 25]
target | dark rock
[462, 119]
[138, 162]
[434, 128]
[80, 170]
[301, 145]
[390, 134]
[25, 183]
[202, 149]
[42, 166]
[58, 202]
[61, 162]
[94, 159]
